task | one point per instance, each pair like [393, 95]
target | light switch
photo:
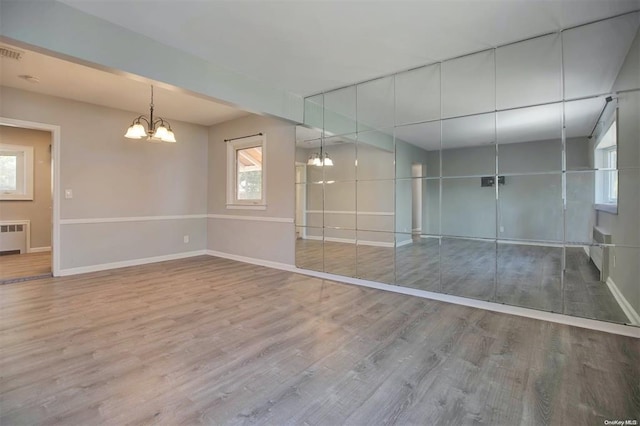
[68, 194]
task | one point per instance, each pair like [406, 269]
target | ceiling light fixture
[157, 129]
[317, 160]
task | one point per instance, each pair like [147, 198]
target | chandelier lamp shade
[157, 128]
[317, 160]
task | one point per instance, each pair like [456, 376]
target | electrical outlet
[68, 194]
[502, 229]
[186, 239]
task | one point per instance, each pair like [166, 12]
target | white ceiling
[306, 47]
[73, 81]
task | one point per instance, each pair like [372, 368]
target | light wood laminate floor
[16, 266]
[212, 341]
[515, 274]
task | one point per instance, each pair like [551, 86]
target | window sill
[246, 206]
[608, 208]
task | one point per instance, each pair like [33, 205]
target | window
[606, 158]
[246, 175]
[610, 195]
[16, 172]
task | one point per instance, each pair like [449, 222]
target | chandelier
[157, 128]
[317, 160]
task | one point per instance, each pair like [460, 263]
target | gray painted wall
[272, 241]
[112, 176]
[38, 211]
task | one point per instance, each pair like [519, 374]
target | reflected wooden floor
[212, 341]
[15, 266]
[514, 274]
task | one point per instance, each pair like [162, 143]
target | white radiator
[14, 236]
[599, 254]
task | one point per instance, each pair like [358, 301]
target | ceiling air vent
[7, 52]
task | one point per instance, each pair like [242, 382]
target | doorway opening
[28, 209]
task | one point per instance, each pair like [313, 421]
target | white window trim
[232, 147]
[27, 194]
[601, 150]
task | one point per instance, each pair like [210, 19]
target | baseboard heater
[599, 253]
[13, 237]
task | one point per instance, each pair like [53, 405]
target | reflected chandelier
[157, 129]
[317, 160]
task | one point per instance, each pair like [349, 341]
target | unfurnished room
[319, 212]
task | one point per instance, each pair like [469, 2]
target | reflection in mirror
[375, 256]
[602, 56]
[376, 155]
[337, 161]
[625, 223]
[375, 202]
[477, 278]
[530, 276]
[309, 251]
[417, 206]
[579, 213]
[340, 251]
[418, 262]
[418, 150]
[587, 269]
[308, 144]
[530, 207]
[530, 139]
[468, 146]
[375, 104]
[471, 153]
[340, 204]
[418, 95]
[313, 112]
[537, 62]
[628, 128]
[468, 84]
[340, 111]
[584, 120]
[468, 208]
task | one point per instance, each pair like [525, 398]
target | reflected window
[606, 157]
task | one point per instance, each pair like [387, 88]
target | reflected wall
[509, 175]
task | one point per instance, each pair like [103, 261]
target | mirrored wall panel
[376, 256]
[477, 279]
[417, 261]
[530, 275]
[510, 175]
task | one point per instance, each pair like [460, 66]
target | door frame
[55, 181]
[304, 199]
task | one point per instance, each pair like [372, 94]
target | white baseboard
[253, 260]
[404, 243]
[39, 249]
[351, 241]
[126, 263]
[621, 329]
[626, 307]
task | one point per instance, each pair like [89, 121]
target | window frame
[233, 146]
[24, 169]
[609, 178]
[605, 172]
